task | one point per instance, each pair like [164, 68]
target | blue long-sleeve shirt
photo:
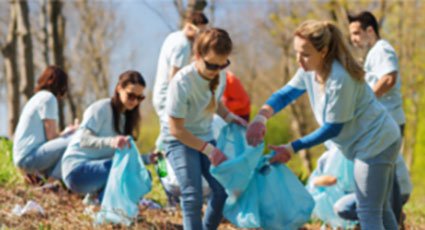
[283, 97]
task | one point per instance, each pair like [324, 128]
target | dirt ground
[66, 211]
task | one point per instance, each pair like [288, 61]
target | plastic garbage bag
[334, 164]
[127, 183]
[260, 195]
[29, 208]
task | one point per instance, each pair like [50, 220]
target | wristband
[260, 118]
[289, 148]
[207, 148]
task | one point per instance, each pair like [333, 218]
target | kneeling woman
[38, 146]
[107, 125]
[193, 97]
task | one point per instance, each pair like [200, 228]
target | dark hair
[132, 117]
[218, 41]
[366, 19]
[53, 79]
[197, 18]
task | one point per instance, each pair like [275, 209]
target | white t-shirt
[188, 97]
[381, 60]
[98, 118]
[175, 52]
[368, 128]
[30, 133]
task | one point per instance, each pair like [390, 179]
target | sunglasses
[211, 66]
[132, 97]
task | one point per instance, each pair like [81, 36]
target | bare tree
[11, 70]
[56, 41]
[24, 48]
[97, 30]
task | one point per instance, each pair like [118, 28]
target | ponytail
[325, 34]
[213, 86]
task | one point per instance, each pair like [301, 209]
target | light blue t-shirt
[30, 133]
[381, 60]
[98, 118]
[175, 52]
[188, 97]
[368, 128]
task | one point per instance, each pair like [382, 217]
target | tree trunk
[11, 70]
[25, 49]
[55, 45]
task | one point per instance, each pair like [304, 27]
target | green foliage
[9, 175]
[148, 133]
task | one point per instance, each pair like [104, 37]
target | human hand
[325, 181]
[256, 130]
[120, 142]
[71, 128]
[283, 153]
[214, 154]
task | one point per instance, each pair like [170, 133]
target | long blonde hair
[218, 41]
[325, 34]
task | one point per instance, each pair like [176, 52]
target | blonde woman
[349, 115]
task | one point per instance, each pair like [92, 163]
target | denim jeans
[346, 207]
[188, 165]
[374, 181]
[47, 158]
[89, 177]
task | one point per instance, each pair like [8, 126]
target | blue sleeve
[281, 98]
[324, 133]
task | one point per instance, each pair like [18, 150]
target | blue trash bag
[232, 143]
[260, 195]
[128, 182]
[335, 164]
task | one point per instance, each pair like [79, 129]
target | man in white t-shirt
[175, 54]
[383, 76]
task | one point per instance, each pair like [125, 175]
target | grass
[9, 176]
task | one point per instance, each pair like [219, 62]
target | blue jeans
[89, 177]
[46, 159]
[188, 165]
[346, 207]
[373, 184]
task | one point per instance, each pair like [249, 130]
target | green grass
[9, 175]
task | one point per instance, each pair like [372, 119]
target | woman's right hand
[256, 130]
[217, 157]
[214, 154]
[120, 142]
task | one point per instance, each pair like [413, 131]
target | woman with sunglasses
[193, 97]
[38, 146]
[349, 114]
[107, 125]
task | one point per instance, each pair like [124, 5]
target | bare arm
[50, 129]
[178, 130]
[222, 110]
[385, 84]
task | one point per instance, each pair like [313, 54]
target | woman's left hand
[283, 153]
[231, 117]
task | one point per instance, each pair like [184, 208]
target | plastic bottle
[161, 166]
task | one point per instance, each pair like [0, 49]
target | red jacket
[235, 98]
